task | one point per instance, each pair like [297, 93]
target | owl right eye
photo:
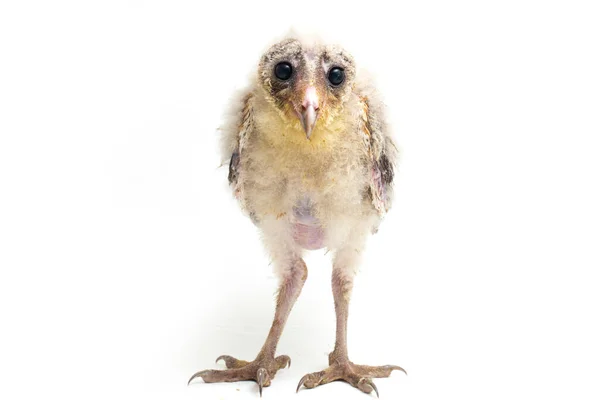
[283, 71]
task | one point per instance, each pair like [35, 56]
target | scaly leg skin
[340, 367]
[266, 365]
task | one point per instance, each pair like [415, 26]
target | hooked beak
[310, 111]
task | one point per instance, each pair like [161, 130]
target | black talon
[369, 382]
[395, 367]
[230, 362]
[372, 384]
[197, 374]
[260, 379]
[301, 383]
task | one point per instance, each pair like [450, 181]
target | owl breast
[307, 230]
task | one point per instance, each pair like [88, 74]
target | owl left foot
[359, 376]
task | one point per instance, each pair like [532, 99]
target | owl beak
[310, 110]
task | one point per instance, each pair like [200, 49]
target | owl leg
[266, 365]
[340, 367]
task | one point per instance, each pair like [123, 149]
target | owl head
[308, 84]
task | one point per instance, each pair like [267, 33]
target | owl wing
[235, 134]
[380, 152]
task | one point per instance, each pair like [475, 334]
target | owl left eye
[336, 76]
[283, 71]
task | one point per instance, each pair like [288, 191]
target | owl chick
[311, 162]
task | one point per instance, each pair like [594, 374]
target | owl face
[308, 84]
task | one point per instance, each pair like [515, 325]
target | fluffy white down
[279, 167]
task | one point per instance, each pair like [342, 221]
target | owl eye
[336, 76]
[283, 71]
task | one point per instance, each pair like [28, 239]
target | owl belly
[307, 230]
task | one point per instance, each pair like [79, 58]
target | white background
[126, 265]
